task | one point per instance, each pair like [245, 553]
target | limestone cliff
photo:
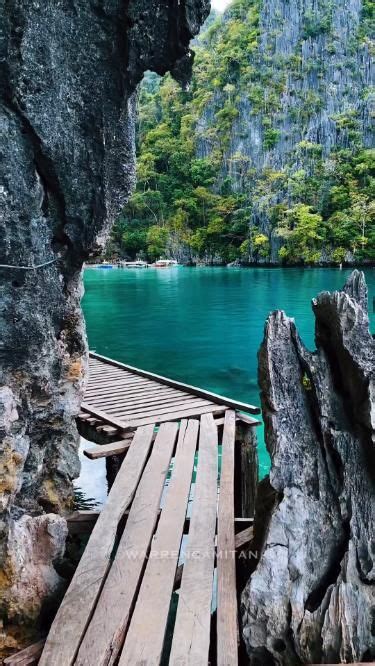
[311, 598]
[268, 157]
[69, 70]
[299, 95]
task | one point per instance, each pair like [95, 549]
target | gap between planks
[79, 601]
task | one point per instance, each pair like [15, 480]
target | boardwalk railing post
[246, 470]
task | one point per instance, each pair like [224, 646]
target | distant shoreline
[344, 266]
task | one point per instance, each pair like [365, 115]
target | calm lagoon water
[202, 326]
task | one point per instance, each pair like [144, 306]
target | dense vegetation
[198, 198]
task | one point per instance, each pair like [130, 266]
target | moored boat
[135, 264]
[165, 263]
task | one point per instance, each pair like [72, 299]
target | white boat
[135, 264]
[165, 263]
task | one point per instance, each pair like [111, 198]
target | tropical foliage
[199, 203]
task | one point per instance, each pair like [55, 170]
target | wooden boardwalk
[125, 397]
[157, 580]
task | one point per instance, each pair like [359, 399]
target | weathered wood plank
[145, 638]
[208, 395]
[239, 418]
[245, 418]
[143, 405]
[113, 381]
[114, 377]
[227, 621]
[244, 537]
[134, 393]
[105, 450]
[191, 637]
[103, 416]
[74, 613]
[135, 397]
[247, 468]
[27, 657]
[185, 413]
[163, 408]
[105, 634]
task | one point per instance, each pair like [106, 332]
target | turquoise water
[202, 326]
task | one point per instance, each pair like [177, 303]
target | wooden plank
[133, 396]
[95, 381]
[119, 381]
[112, 420]
[247, 467]
[79, 601]
[244, 537]
[239, 418]
[244, 418]
[126, 425]
[191, 637]
[114, 379]
[119, 388]
[105, 634]
[26, 657]
[146, 404]
[185, 413]
[234, 404]
[111, 382]
[106, 369]
[227, 621]
[163, 408]
[105, 450]
[145, 638]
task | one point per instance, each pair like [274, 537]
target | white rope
[30, 268]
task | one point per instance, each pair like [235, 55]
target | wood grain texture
[75, 611]
[105, 450]
[183, 414]
[164, 408]
[208, 395]
[149, 396]
[27, 657]
[227, 621]
[106, 631]
[191, 639]
[145, 639]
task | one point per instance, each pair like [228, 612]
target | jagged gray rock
[69, 69]
[311, 598]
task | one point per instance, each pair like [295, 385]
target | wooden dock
[125, 397]
[157, 580]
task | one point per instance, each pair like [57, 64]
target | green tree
[157, 238]
[303, 232]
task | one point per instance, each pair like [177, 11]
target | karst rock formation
[311, 598]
